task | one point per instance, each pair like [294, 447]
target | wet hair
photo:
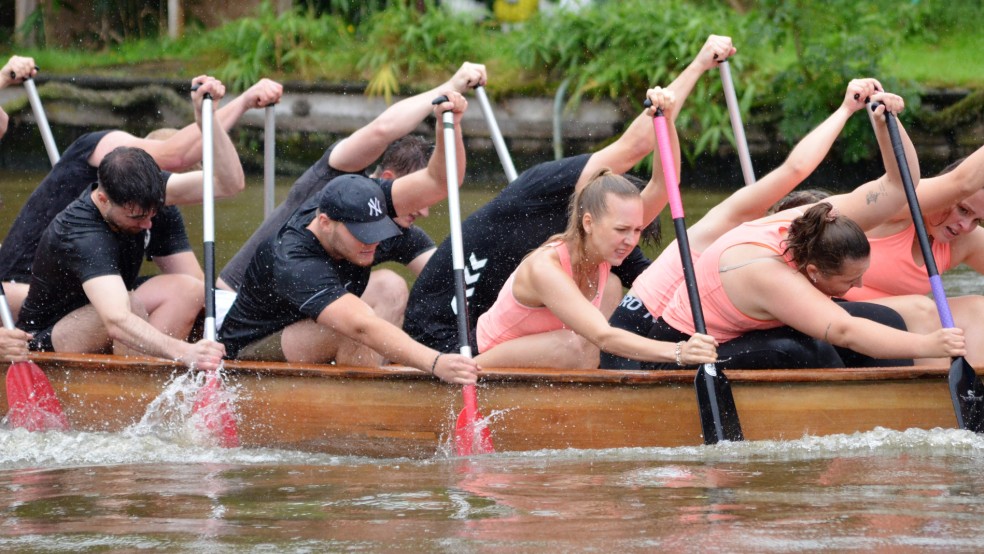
[130, 177]
[825, 239]
[592, 198]
[406, 155]
[652, 234]
[798, 198]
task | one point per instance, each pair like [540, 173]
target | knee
[386, 288]
[577, 352]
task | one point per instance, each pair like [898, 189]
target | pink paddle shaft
[666, 157]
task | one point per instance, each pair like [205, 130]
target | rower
[78, 165]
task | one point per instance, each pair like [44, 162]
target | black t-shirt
[308, 185]
[63, 184]
[496, 238]
[79, 245]
[291, 278]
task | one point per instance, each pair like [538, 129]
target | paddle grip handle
[935, 282]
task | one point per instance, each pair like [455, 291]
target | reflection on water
[881, 490]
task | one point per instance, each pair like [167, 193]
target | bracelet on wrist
[678, 353]
[434, 365]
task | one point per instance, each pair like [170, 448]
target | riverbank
[948, 125]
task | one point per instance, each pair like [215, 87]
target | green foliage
[295, 43]
[833, 42]
[403, 44]
[353, 12]
[618, 50]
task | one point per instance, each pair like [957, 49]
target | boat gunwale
[235, 368]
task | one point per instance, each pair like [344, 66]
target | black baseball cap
[359, 203]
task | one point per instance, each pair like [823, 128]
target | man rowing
[77, 168]
[527, 212]
[387, 136]
[83, 293]
[300, 298]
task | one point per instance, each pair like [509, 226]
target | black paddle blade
[967, 393]
[718, 415]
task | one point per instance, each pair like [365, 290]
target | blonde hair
[591, 199]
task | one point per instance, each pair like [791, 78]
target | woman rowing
[653, 288]
[553, 310]
[780, 272]
[952, 204]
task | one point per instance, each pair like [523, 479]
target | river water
[881, 490]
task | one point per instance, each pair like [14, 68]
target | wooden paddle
[471, 434]
[211, 404]
[736, 126]
[966, 389]
[497, 141]
[718, 415]
[31, 402]
[46, 136]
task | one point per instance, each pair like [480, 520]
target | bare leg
[561, 349]
[81, 331]
[387, 294]
[920, 315]
[172, 302]
[15, 293]
[310, 342]
[967, 313]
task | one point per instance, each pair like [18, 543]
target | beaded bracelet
[678, 353]
[434, 365]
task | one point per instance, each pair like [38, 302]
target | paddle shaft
[269, 150]
[935, 282]
[744, 157]
[208, 215]
[722, 421]
[497, 140]
[46, 136]
[457, 254]
[5, 314]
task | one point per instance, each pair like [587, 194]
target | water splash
[172, 415]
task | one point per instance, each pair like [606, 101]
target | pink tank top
[507, 319]
[723, 320]
[893, 272]
[655, 285]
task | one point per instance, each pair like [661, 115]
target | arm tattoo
[826, 333]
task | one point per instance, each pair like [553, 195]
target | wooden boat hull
[394, 412]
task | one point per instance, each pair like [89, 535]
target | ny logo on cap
[374, 207]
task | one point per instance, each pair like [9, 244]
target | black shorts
[41, 341]
[632, 316]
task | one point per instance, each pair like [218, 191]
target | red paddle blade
[472, 437]
[31, 401]
[216, 418]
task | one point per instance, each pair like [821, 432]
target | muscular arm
[417, 264]
[364, 146]
[426, 187]
[638, 140]
[352, 317]
[111, 300]
[943, 191]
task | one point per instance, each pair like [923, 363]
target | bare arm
[184, 263]
[367, 144]
[111, 301]
[789, 297]
[424, 188]
[752, 201]
[638, 140]
[878, 201]
[352, 317]
[542, 281]
[943, 191]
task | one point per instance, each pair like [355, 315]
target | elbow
[231, 186]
